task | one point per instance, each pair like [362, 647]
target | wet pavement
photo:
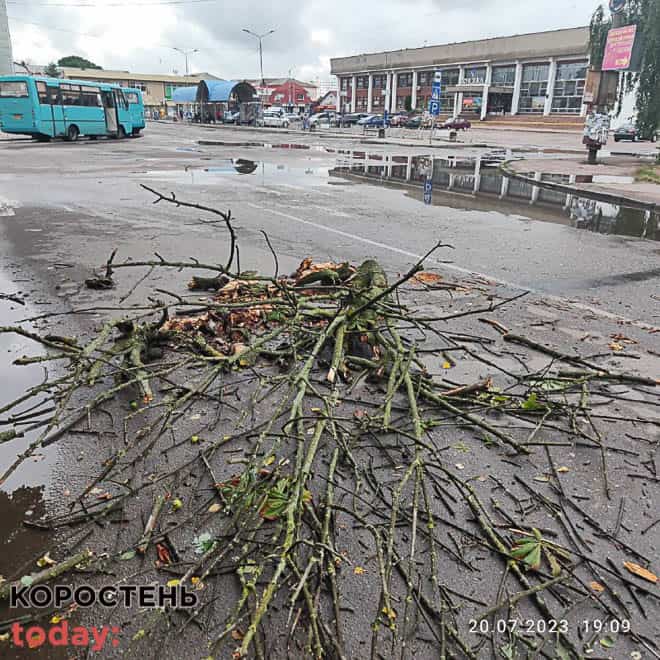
[343, 201]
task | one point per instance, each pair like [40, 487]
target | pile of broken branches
[327, 506]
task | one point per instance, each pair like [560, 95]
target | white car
[273, 120]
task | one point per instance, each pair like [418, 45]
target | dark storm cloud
[307, 33]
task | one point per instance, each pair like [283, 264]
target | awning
[220, 91]
[184, 94]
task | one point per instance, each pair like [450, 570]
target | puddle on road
[466, 181]
[476, 183]
[262, 173]
[15, 381]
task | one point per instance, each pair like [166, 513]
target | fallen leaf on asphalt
[44, 561]
[214, 508]
[446, 365]
[622, 338]
[563, 468]
[173, 583]
[597, 586]
[640, 571]
[616, 346]
[427, 278]
[358, 570]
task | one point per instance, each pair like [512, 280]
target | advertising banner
[619, 48]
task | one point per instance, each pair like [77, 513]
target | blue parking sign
[434, 108]
[428, 190]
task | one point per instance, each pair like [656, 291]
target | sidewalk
[613, 175]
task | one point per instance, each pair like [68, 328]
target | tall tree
[645, 14]
[77, 62]
[51, 70]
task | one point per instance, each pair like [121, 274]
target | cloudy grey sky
[138, 35]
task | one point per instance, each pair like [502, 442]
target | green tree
[51, 70]
[77, 62]
[645, 14]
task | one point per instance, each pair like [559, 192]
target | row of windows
[77, 95]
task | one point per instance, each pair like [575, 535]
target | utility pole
[6, 58]
[185, 53]
[260, 37]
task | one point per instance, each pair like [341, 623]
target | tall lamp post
[260, 37]
[186, 53]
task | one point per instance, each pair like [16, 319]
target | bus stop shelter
[212, 96]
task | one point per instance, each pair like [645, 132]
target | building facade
[285, 92]
[6, 66]
[156, 88]
[543, 73]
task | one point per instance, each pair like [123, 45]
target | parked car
[352, 118]
[372, 121]
[632, 133]
[399, 119]
[323, 118]
[413, 122]
[273, 120]
[231, 117]
[293, 117]
[458, 124]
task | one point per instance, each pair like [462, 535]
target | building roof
[184, 94]
[554, 43]
[215, 91]
[276, 82]
[103, 74]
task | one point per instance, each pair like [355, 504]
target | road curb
[619, 200]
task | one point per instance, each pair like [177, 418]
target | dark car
[352, 118]
[413, 122]
[632, 133]
[373, 121]
[458, 124]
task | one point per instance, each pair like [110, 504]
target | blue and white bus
[45, 108]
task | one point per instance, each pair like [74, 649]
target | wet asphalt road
[71, 203]
[64, 207]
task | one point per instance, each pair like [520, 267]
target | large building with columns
[534, 75]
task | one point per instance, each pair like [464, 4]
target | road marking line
[466, 271]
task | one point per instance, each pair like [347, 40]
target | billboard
[619, 48]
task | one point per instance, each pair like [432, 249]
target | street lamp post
[260, 37]
[186, 53]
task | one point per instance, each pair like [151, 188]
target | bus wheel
[72, 134]
[121, 133]
[136, 132]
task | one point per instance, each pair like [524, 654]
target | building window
[569, 87]
[474, 75]
[449, 77]
[344, 84]
[534, 88]
[376, 101]
[380, 82]
[362, 82]
[137, 85]
[447, 102]
[404, 80]
[504, 76]
[361, 103]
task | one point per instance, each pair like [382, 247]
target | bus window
[54, 95]
[13, 90]
[43, 93]
[91, 97]
[132, 98]
[71, 94]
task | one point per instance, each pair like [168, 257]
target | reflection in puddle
[488, 188]
[15, 381]
[265, 173]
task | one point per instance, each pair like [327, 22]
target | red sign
[618, 49]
